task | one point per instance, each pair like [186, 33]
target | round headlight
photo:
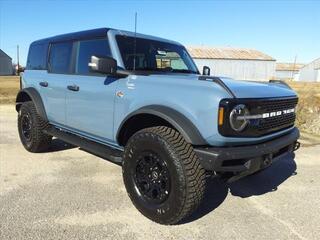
[237, 117]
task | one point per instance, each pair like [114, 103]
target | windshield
[151, 55]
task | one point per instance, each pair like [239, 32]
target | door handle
[44, 84]
[74, 88]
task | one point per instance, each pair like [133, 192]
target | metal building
[238, 63]
[5, 64]
[310, 72]
[288, 71]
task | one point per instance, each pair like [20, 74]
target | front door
[90, 97]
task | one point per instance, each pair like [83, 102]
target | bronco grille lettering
[267, 115]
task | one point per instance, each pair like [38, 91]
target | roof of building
[2, 53]
[315, 64]
[205, 52]
[289, 66]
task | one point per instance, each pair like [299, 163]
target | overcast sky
[281, 29]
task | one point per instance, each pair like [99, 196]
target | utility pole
[18, 56]
[294, 67]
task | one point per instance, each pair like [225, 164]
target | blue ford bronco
[140, 101]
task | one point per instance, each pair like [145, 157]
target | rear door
[90, 96]
[53, 86]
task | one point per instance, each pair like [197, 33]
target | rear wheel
[30, 127]
[162, 175]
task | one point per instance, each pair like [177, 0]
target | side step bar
[100, 150]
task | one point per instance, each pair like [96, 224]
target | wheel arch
[31, 94]
[155, 115]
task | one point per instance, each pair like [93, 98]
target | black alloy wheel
[26, 125]
[152, 177]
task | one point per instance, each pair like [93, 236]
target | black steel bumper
[245, 160]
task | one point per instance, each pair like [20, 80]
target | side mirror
[206, 71]
[107, 65]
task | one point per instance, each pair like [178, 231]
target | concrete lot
[70, 194]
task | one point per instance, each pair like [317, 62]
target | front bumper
[245, 160]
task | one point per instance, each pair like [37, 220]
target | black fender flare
[179, 121]
[35, 97]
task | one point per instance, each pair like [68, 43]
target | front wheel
[162, 175]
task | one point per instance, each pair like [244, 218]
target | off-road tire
[187, 185]
[37, 140]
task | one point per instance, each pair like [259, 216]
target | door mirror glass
[107, 65]
[206, 71]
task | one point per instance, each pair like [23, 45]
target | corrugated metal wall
[257, 70]
[285, 75]
[5, 66]
[309, 73]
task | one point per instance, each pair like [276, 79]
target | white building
[310, 72]
[288, 71]
[238, 63]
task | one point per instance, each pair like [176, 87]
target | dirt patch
[308, 140]
[9, 87]
[308, 110]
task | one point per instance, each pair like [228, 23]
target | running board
[98, 149]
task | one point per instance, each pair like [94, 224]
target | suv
[140, 101]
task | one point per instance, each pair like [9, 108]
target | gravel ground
[70, 194]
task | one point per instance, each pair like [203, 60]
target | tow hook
[267, 160]
[296, 146]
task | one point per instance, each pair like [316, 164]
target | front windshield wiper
[183, 71]
[146, 69]
[164, 70]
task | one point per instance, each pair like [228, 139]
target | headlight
[237, 117]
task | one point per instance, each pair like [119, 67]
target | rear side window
[98, 47]
[60, 57]
[37, 57]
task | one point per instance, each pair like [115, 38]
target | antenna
[135, 42]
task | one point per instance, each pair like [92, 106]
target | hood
[240, 88]
[250, 89]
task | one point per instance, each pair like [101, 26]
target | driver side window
[88, 48]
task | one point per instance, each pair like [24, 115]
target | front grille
[277, 104]
[262, 126]
[276, 123]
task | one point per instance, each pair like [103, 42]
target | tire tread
[40, 140]
[194, 173]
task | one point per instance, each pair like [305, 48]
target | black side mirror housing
[107, 65]
[206, 71]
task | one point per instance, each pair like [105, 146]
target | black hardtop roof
[93, 33]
